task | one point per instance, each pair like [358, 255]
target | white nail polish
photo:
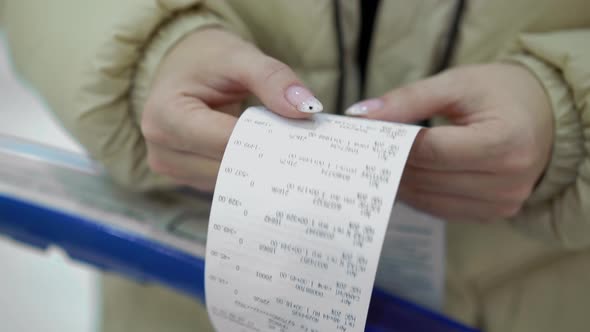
[364, 107]
[303, 100]
[356, 110]
[311, 105]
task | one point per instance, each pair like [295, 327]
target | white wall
[39, 291]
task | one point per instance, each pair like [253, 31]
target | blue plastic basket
[148, 261]
[137, 256]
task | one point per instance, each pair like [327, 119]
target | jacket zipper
[340, 49]
[445, 58]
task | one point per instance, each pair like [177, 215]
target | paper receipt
[298, 220]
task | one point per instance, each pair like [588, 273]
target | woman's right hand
[196, 98]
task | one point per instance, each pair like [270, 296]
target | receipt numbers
[298, 219]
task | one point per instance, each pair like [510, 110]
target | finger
[187, 124]
[459, 147]
[277, 86]
[484, 186]
[456, 208]
[231, 109]
[412, 103]
[187, 169]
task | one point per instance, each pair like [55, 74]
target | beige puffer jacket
[93, 61]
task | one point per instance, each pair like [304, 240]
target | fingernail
[303, 99]
[364, 107]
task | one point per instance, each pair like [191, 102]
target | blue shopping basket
[139, 256]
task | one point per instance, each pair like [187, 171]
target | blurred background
[39, 291]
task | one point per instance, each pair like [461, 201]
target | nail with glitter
[364, 107]
[303, 100]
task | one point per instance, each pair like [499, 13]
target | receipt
[299, 216]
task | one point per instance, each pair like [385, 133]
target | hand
[486, 163]
[195, 100]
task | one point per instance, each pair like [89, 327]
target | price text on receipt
[298, 220]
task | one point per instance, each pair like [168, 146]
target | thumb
[410, 104]
[277, 86]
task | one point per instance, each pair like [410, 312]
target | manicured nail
[364, 107]
[303, 99]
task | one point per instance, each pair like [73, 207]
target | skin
[195, 100]
[486, 162]
[480, 167]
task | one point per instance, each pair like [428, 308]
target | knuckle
[273, 68]
[425, 152]
[518, 162]
[508, 210]
[516, 150]
[149, 131]
[518, 194]
[496, 144]
[158, 165]
[149, 126]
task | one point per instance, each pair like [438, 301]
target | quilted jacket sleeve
[559, 209]
[90, 59]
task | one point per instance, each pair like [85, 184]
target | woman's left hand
[485, 164]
